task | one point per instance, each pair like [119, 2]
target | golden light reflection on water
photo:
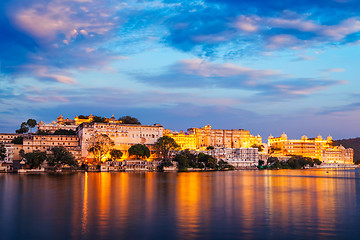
[85, 205]
[188, 192]
[250, 204]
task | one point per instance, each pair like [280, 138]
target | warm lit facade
[338, 154]
[8, 137]
[184, 140]
[44, 143]
[234, 138]
[70, 124]
[52, 127]
[123, 135]
[310, 147]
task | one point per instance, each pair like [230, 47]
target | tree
[31, 123]
[61, 156]
[274, 150]
[260, 163]
[44, 132]
[115, 154]
[183, 161]
[139, 150]
[163, 146]
[129, 120]
[35, 158]
[208, 160]
[210, 148]
[18, 140]
[2, 152]
[317, 161]
[99, 145]
[83, 117]
[99, 119]
[23, 128]
[259, 147]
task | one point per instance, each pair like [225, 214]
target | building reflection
[188, 214]
[250, 204]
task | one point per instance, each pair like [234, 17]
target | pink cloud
[46, 21]
[207, 69]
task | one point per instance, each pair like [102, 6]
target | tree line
[294, 162]
[186, 159]
[58, 157]
[101, 145]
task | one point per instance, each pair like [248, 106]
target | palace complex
[318, 147]
[123, 135]
[70, 124]
[201, 138]
[236, 146]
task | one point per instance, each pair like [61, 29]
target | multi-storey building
[8, 137]
[9, 154]
[234, 138]
[338, 154]
[53, 126]
[309, 147]
[70, 124]
[45, 143]
[123, 135]
[238, 157]
[184, 140]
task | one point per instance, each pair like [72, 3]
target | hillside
[353, 143]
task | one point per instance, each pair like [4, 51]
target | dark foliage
[129, 120]
[186, 160]
[18, 140]
[139, 150]
[61, 156]
[35, 158]
[64, 132]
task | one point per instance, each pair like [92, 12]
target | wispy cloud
[196, 73]
[334, 70]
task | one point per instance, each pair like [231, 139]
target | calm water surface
[283, 204]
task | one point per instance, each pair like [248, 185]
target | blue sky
[265, 66]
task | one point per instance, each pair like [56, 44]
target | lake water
[282, 204]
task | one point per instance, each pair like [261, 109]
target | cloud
[196, 73]
[334, 70]
[55, 36]
[215, 27]
[346, 108]
[66, 34]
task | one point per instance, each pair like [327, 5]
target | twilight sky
[266, 66]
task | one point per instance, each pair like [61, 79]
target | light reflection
[251, 204]
[84, 219]
[187, 204]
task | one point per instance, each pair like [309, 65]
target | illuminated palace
[201, 138]
[318, 147]
[123, 135]
[70, 124]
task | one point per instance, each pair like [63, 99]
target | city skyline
[269, 67]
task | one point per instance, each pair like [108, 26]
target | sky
[265, 66]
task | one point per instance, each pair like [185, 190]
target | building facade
[45, 143]
[184, 140]
[8, 137]
[9, 154]
[318, 147]
[238, 157]
[123, 135]
[222, 138]
[70, 124]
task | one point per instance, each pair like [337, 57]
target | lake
[248, 204]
